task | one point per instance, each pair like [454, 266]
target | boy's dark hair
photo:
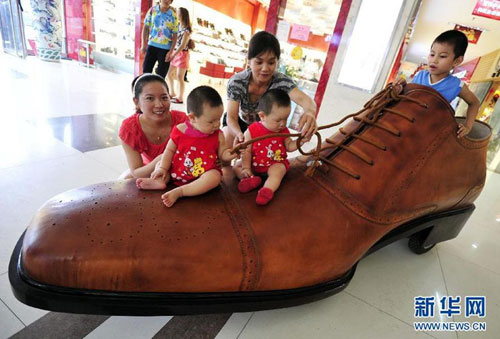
[262, 42]
[202, 95]
[455, 38]
[273, 97]
[140, 81]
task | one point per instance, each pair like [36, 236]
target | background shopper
[180, 57]
[159, 35]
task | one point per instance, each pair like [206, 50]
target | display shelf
[306, 68]
[218, 38]
[114, 31]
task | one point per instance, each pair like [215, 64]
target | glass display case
[114, 31]
[218, 38]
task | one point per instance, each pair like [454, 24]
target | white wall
[436, 17]
[340, 100]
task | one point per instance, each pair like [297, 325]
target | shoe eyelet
[399, 134]
[413, 120]
[372, 163]
[385, 149]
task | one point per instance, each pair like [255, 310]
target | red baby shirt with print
[196, 154]
[267, 151]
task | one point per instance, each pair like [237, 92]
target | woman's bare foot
[150, 184]
[171, 196]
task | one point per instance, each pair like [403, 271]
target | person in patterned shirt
[245, 89]
[159, 36]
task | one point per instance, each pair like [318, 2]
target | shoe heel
[427, 231]
[444, 226]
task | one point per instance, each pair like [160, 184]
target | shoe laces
[372, 111]
[375, 108]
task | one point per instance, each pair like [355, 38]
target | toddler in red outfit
[267, 156]
[190, 158]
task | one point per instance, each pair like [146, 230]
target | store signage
[300, 32]
[283, 30]
[297, 53]
[472, 34]
[488, 9]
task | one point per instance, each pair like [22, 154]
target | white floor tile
[63, 89]
[21, 143]
[27, 314]
[478, 242]
[129, 327]
[112, 157]
[391, 278]
[466, 279]
[29, 186]
[9, 324]
[234, 326]
[341, 316]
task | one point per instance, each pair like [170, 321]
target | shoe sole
[428, 230]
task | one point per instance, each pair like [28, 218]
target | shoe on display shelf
[396, 170]
[107, 49]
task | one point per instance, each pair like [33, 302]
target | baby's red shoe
[249, 184]
[264, 196]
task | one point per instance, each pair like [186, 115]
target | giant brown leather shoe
[396, 170]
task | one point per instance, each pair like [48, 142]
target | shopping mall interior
[62, 117]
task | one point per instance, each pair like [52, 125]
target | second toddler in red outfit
[267, 156]
[190, 158]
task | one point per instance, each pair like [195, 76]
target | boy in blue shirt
[447, 51]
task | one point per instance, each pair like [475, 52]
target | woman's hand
[238, 139]
[241, 148]
[308, 125]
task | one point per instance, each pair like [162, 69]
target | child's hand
[463, 130]
[304, 140]
[238, 139]
[240, 149]
[159, 173]
[246, 172]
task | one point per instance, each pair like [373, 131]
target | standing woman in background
[245, 89]
[180, 57]
[159, 36]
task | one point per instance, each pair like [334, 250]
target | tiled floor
[36, 164]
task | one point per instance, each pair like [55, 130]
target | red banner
[472, 34]
[487, 8]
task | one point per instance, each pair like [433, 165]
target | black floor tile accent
[87, 132]
[55, 325]
[193, 327]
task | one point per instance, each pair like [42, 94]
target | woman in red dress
[145, 134]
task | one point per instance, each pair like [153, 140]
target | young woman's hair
[140, 81]
[273, 97]
[202, 95]
[185, 21]
[456, 39]
[262, 42]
